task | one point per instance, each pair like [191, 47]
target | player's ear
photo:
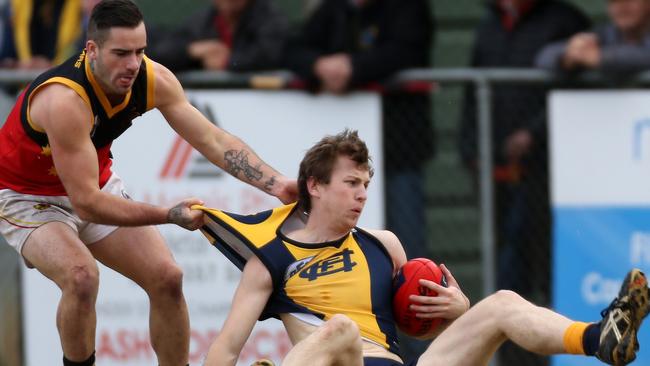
[92, 48]
[313, 187]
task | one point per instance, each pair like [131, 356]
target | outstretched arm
[67, 120]
[221, 148]
[254, 290]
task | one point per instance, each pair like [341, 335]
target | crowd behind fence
[460, 208]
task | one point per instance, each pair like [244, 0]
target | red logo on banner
[177, 165]
[177, 159]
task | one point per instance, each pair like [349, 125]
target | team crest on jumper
[339, 262]
[295, 267]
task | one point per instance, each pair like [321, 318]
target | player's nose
[362, 194]
[133, 63]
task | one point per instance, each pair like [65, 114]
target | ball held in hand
[407, 283]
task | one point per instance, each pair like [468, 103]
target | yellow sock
[573, 338]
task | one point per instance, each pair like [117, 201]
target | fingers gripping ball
[407, 283]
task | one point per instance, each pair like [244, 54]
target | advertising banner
[159, 167]
[600, 169]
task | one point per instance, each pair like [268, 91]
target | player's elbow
[84, 213]
[83, 207]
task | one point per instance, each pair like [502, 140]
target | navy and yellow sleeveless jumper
[26, 164]
[350, 276]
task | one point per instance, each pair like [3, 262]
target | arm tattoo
[268, 185]
[175, 215]
[237, 162]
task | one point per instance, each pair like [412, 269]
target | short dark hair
[112, 13]
[319, 161]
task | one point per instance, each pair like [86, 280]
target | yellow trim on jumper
[61, 80]
[151, 83]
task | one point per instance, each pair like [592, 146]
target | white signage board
[600, 148]
[160, 168]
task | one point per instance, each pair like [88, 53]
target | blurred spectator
[510, 36]
[621, 46]
[87, 8]
[40, 33]
[346, 44]
[234, 35]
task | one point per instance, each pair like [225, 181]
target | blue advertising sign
[594, 249]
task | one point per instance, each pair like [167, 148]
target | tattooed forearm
[237, 162]
[268, 185]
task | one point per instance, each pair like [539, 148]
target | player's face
[345, 195]
[629, 15]
[117, 60]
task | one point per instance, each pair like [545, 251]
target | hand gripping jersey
[26, 164]
[351, 276]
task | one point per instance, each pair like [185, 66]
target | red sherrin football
[407, 283]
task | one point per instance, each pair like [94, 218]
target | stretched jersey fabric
[26, 164]
[351, 275]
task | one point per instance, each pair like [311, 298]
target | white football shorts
[21, 214]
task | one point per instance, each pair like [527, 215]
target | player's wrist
[285, 189]
[277, 185]
[174, 214]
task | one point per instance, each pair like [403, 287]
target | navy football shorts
[374, 361]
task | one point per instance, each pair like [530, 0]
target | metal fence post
[484, 120]
[484, 95]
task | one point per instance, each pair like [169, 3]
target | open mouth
[126, 79]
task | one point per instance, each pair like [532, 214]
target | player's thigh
[56, 250]
[139, 253]
[469, 340]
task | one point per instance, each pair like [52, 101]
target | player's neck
[319, 231]
[113, 98]
[306, 236]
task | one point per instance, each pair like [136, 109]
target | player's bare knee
[343, 324]
[504, 297]
[340, 327]
[166, 281]
[355, 344]
[505, 301]
[511, 297]
[81, 282]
